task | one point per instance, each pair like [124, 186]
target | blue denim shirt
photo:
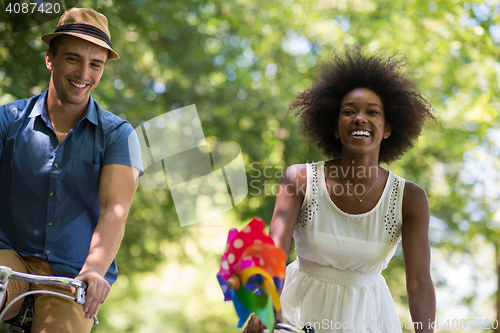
[49, 193]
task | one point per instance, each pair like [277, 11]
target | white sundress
[336, 285]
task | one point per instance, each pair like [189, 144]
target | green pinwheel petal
[261, 305]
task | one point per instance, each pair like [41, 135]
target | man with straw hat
[68, 173]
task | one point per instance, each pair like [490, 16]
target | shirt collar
[39, 109]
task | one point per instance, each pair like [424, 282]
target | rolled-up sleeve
[4, 125]
[8, 113]
[122, 147]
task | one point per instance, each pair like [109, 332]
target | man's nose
[82, 70]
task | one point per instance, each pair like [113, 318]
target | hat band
[85, 29]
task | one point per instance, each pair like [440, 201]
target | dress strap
[310, 204]
[393, 216]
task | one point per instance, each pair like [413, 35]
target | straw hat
[86, 24]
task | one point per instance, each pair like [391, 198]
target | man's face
[76, 69]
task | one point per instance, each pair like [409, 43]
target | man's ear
[48, 60]
[387, 131]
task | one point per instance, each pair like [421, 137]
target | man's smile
[77, 85]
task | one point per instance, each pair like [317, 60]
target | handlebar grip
[291, 328]
[308, 329]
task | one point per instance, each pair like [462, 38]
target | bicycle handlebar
[7, 273]
[287, 327]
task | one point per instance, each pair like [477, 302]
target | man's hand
[97, 291]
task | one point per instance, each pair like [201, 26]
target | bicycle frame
[6, 274]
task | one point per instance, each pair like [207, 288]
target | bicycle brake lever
[80, 293]
[85, 285]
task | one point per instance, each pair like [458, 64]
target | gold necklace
[366, 193]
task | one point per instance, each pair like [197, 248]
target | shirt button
[56, 165]
[50, 223]
[48, 251]
[51, 194]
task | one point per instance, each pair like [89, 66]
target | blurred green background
[241, 62]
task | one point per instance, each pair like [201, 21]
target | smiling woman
[362, 120]
[363, 109]
[405, 108]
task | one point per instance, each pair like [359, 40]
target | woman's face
[361, 123]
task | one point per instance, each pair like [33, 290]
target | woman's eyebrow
[352, 103]
[375, 104]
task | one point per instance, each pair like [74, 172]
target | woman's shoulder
[413, 190]
[414, 199]
[296, 172]
[303, 167]
[296, 175]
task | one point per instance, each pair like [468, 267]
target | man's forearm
[116, 190]
[106, 240]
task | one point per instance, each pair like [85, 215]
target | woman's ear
[387, 131]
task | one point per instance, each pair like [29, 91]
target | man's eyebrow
[73, 54]
[76, 55]
[352, 103]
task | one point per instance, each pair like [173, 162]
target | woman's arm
[417, 256]
[291, 192]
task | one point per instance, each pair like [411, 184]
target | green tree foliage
[241, 62]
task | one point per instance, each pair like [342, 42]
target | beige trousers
[53, 314]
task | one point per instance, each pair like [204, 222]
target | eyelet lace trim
[391, 225]
[307, 213]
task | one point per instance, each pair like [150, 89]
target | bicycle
[20, 323]
[290, 328]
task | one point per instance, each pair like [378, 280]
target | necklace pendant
[360, 200]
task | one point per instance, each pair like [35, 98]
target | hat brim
[112, 54]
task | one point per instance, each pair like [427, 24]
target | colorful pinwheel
[251, 272]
